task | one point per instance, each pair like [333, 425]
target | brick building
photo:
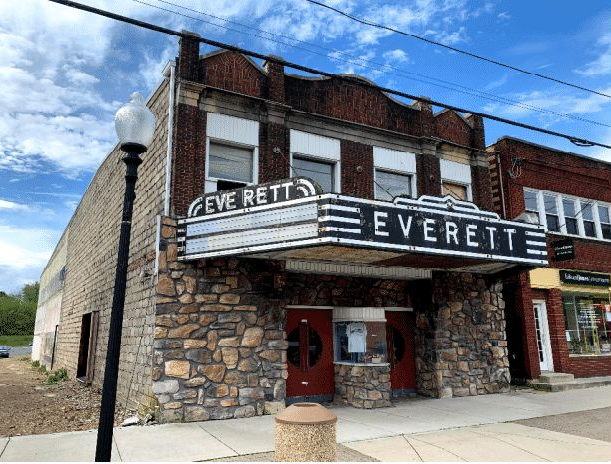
[311, 238]
[561, 320]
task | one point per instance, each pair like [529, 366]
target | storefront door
[400, 346]
[543, 341]
[309, 355]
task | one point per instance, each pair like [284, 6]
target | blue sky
[64, 73]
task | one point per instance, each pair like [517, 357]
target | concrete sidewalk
[470, 428]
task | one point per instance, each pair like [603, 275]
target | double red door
[400, 348]
[309, 355]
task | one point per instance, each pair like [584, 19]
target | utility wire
[457, 50]
[359, 61]
[306, 69]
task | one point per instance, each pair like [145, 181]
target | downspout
[500, 174]
[168, 164]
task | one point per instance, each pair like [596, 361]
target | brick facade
[546, 169]
[91, 261]
[206, 339]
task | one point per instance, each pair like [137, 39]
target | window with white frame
[389, 185]
[456, 179]
[570, 215]
[531, 202]
[319, 171]
[551, 212]
[318, 158]
[230, 166]
[587, 213]
[605, 221]
[231, 152]
[394, 174]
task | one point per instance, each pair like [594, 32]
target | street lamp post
[135, 125]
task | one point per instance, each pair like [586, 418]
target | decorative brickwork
[461, 348]
[362, 386]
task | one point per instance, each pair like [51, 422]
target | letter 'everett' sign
[293, 213]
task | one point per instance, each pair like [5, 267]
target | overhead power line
[359, 61]
[306, 69]
[457, 50]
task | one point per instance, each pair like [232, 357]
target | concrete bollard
[306, 432]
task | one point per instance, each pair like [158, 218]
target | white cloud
[601, 65]
[12, 206]
[560, 102]
[25, 251]
[503, 16]
[395, 56]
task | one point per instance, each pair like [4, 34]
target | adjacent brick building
[375, 275]
[561, 315]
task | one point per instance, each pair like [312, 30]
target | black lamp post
[135, 125]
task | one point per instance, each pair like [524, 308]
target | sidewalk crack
[5, 445]
[497, 437]
[114, 440]
[441, 448]
[412, 446]
[218, 439]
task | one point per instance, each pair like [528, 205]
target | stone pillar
[461, 346]
[220, 348]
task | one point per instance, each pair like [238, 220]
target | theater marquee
[293, 213]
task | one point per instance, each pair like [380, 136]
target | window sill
[347, 363]
[583, 237]
[590, 355]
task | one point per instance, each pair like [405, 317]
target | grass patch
[58, 376]
[39, 367]
[15, 340]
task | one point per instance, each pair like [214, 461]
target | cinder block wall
[91, 262]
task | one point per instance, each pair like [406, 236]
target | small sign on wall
[564, 250]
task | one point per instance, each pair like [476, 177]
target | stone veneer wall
[220, 349]
[461, 345]
[362, 386]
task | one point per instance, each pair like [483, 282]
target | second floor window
[230, 166]
[605, 221]
[389, 185]
[588, 219]
[319, 171]
[551, 212]
[570, 216]
[457, 191]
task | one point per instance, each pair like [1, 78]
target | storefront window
[588, 324]
[360, 342]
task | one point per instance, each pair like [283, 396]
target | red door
[400, 345]
[309, 355]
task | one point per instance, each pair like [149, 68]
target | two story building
[561, 318]
[294, 238]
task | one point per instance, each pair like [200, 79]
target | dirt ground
[28, 406]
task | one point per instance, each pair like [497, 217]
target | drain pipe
[500, 174]
[168, 166]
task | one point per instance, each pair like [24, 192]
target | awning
[292, 220]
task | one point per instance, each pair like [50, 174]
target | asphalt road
[18, 351]
[595, 423]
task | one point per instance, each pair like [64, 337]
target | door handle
[305, 383]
